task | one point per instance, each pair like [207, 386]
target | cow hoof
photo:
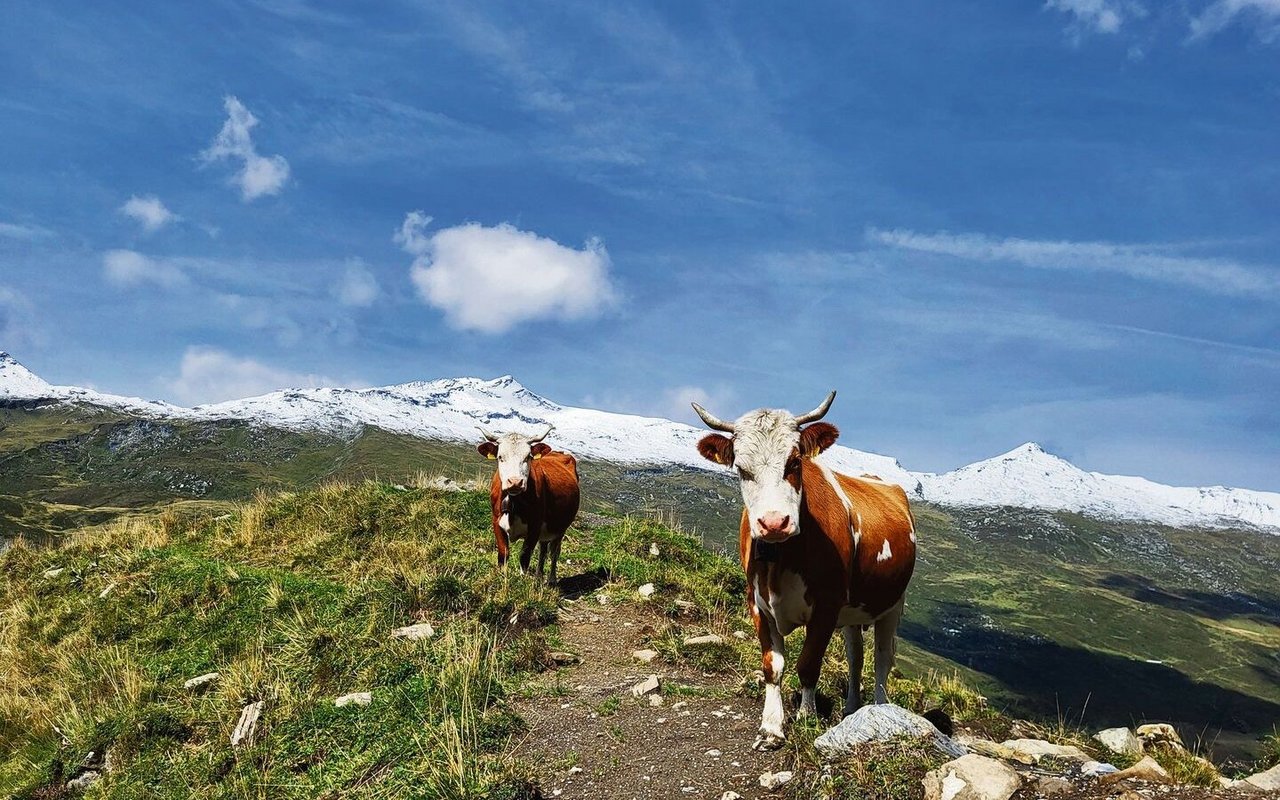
[768, 741]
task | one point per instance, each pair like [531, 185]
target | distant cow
[820, 549]
[534, 495]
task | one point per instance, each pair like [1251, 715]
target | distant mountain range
[450, 410]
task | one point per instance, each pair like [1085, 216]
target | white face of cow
[766, 452]
[513, 452]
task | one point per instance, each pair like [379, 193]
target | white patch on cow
[504, 522]
[787, 606]
[850, 615]
[885, 553]
[855, 530]
[913, 535]
[774, 714]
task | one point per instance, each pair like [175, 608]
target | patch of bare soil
[590, 738]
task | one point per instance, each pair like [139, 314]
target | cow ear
[488, 449]
[717, 448]
[817, 437]
[540, 449]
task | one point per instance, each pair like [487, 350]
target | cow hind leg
[853, 654]
[555, 558]
[773, 660]
[542, 558]
[816, 638]
[886, 646]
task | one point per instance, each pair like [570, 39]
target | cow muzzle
[775, 527]
[514, 485]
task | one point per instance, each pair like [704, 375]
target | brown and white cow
[820, 549]
[534, 494]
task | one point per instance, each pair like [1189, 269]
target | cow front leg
[542, 558]
[773, 661]
[526, 552]
[500, 538]
[886, 646]
[816, 638]
[853, 654]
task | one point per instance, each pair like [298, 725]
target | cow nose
[775, 524]
[514, 483]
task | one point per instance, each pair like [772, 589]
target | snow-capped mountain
[450, 409]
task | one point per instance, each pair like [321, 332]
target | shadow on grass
[1049, 678]
[576, 586]
[1237, 604]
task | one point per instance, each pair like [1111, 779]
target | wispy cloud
[130, 268]
[149, 212]
[490, 279]
[1263, 14]
[1095, 16]
[1216, 276]
[357, 287]
[14, 230]
[210, 375]
[259, 175]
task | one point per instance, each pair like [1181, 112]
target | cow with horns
[534, 495]
[820, 549]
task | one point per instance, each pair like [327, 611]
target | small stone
[1051, 785]
[701, 641]
[422, 630]
[83, 781]
[655, 700]
[355, 698]
[684, 605]
[740, 635]
[201, 682]
[714, 753]
[731, 795]
[679, 705]
[653, 549]
[1145, 770]
[1120, 740]
[1038, 749]
[772, 780]
[102, 595]
[647, 591]
[574, 770]
[660, 720]
[1160, 733]
[972, 777]
[562, 658]
[646, 686]
[54, 572]
[645, 655]
[1096, 769]
[247, 727]
[1267, 781]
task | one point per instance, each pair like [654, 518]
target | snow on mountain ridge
[451, 408]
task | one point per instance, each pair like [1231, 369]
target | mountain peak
[18, 381]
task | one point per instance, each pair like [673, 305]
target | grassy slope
[1050, 611]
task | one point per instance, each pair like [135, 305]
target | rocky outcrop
[882, 723]
[1120, 740]
[972, 777]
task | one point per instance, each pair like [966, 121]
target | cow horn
[818, 413]
[487, 435]
[715, 423]
[547, 433]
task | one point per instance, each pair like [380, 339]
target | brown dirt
[582, 748]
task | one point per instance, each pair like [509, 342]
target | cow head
[766, 449]
[513, 452]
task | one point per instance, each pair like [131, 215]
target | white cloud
[149, 212]
[1221, 13]
[1215, 276]
[19, 326]
[357, 286]
[491, 279]
[210, 375]
[13, 230]
[131, 268]
[1100, 16]
[259, 175]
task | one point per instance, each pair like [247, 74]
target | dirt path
[590, 738]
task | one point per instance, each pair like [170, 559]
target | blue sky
[982, 223]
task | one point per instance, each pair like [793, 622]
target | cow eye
[793, 465]
[745, 474]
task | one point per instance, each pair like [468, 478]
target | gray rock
[773, 780]
[972, 777]
[1120, 740]
[882, 723]
[646, 686]
[1096, 769]
[1267, 781]
[202, 682]
[645, 655]
[647, 591]
[1038, 749]
[83, 781]
[1145, 770]
[731, 795]
[354, 699]
[985, 747]
[422, 630]
[1050, 785]
[699, 641]
[653, 549]
[1160, 733]
[247, 728]
[54, 572]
